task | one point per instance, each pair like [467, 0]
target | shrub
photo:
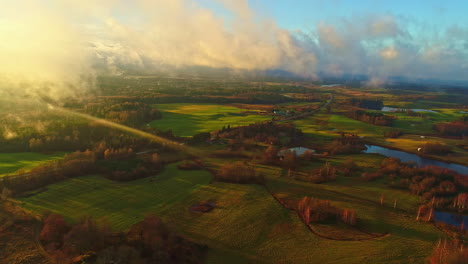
[324, 174]
[435, 148]
[239, 172]
[371, 176]
[311, 209]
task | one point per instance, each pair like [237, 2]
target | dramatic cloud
[53, 48]
[39, 53]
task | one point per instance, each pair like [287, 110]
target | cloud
[54, 48]
[389, 53]
[39, 53]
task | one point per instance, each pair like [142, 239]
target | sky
[58, 47]
[304, 13]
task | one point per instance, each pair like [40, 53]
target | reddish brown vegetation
[438, 186]
[349, 168]
[315, 210]
[239, 172]
[435, 148]
[324, 174]
[346, 144]
[129, 113]
[371, 176]
[191, 165]
[449, 252]
[148, 241]
[395, 133]
[269, 133]
[458, 128]
[374, 118]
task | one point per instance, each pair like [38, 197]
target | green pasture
[189, 119]
[13, 162]
[248, 224]
[120, 204]
[326, 127]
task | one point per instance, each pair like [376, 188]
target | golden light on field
[163, 141]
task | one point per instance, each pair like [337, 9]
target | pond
[409, 157]
[393, 109]
[298, 150]
[452, 219]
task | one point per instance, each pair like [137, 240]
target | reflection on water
[452, 219]
[420, 161]
[393, 109]
[298, 150]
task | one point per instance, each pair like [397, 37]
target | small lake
[393, 109]
[330, 85]
[298, 150]
[452, 219]
[420, 161]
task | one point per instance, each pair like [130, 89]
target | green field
[120, 204]
[189, 119]
[12, 162]
[248, 224]
[325, 127]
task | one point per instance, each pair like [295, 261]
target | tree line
[89, 241]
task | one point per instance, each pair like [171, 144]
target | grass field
[120, 204]
[189, 119]
[12, 162]
[324, 127]
[247, 224]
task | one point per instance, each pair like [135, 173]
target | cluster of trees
[269, 132]
[314, 210]
[81, 163]
[349, 168]
[72, 137]
[346, 144]
[366, 103]
[435, 148]
[326, 173]
[128, 113]
[68, 134]
[394, 133]
[191, 165]
[458, 128]
[440, 187]
[449, 252]
[148, 241]
[371, 176]
[239, 172]
[202, 137]
[118, 153]
[72, 165]
[374, 118]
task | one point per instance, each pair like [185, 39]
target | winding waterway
[409, 157]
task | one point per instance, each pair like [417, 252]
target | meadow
[119, 204]
[189, 119]
[24, 161]
[248, 224]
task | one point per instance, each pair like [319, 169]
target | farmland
[188, 119]
[120, 204]
[247, 222]
[12, 162]
[118, 179]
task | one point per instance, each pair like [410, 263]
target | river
[409, 157]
